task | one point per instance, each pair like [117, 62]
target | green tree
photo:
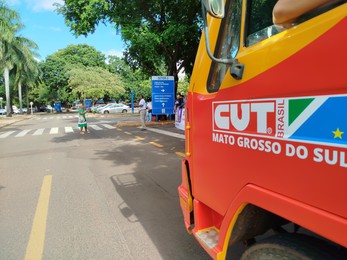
[55, 78]
[153, 31]
[82, 54]
[133, 79]
[94, 82]
[56, 67]
[183, 86]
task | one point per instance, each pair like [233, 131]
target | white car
[114, 108]
[98, 109]
[2, 111]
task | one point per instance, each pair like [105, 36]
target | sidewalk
[5, 121]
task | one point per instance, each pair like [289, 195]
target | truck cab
[266, 133]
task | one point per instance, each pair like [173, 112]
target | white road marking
[23, 133]
[95, 127]
[108, 126]
[39, 131]
[54, 130]
[68, 129]
[4, 135]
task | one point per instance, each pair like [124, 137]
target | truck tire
[292, 247]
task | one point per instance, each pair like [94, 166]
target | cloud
[13, 2]
[45, 28]
[118, 53]
[36, 5]
[43, 5]
[55, 29]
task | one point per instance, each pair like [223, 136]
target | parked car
[15, 109]
[95, 108]
[114, 108]
[2, 111]
[34, 110]
[98, 110]
[42, 109]
[49, 108]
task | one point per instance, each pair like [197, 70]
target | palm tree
[26, 70]
[9, 24]
[15, 51]
[8, 18]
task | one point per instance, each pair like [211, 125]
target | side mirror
[214, 7]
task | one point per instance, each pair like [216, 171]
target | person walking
[149, 111]
[82, 120]
[142, 108]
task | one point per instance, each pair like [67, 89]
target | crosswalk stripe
[68, 129]
[53, 117]
[54, 130]
[108, 126]
[4, 135]
[95, 127]
[39, 131]
[23, 133]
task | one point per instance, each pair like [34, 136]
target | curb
[12, 120]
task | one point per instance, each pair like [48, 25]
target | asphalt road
[109, 194]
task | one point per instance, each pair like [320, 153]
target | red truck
[266, 133]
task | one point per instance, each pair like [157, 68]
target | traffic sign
[163, 95]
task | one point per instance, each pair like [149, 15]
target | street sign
[163, 95]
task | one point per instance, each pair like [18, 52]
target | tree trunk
[172, 71]
[20, 97]
[7, 90]
[27, 98]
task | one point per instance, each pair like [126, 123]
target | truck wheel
[291, 247]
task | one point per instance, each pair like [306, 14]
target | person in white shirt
[142, 108]
[149, 112]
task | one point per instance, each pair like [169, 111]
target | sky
[48, 30]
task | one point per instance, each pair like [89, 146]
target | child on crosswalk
[82, 120]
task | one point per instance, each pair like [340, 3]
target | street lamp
[1, 99]
[31, 107]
